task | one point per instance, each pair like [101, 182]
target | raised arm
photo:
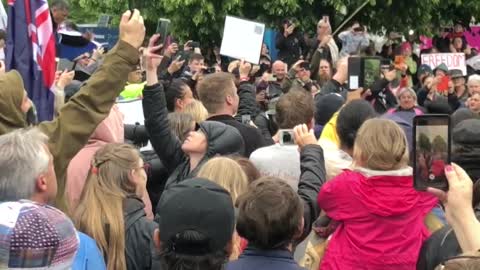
[246, 92]
[313, 175]
[164, 142]
[79, 118]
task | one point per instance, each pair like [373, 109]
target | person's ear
[156, 239]
[229, 100]
[300, 227]
[41, 183]
[311, 124]
[179, 104]
[131, 176]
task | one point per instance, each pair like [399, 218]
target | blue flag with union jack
[31, 51]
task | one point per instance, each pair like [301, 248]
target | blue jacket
[88, 255]
[253, 258]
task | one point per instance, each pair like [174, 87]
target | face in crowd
[474, 103]
[59, 14]
[279, 69]
[473, 87]
[196, 65]
[407, 100]
[324, 69]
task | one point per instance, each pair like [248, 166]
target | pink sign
[473, 39]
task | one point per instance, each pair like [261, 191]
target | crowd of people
[272, 166]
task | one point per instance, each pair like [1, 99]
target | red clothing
[438, 167]
[381, 221]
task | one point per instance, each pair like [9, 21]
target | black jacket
[222, 139]
[382, 98]
[247, 104]
[140, 252]
[441, 245]
[334, 87]
[312, 177]
[291, 48]
[266, 126]
[157, 176]
[251, 136]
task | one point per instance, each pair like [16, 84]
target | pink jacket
[381, 220]
[109, 131]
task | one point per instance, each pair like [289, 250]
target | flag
[3, 18]
[31, 51]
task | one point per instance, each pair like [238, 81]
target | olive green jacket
[80, 116]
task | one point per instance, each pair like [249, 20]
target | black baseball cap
[198, 205]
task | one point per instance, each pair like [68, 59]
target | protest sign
[474, 62]
[452, 60]
[242, 39]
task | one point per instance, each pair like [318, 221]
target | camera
[209, 70]
[246, 119]
[136, 134]
[359, 29]
[285, 137]
[194, 44]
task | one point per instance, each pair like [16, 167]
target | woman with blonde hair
[197, 111]
[111, 211]
[380, 215]
[229, 174]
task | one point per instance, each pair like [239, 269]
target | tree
[439, 144]
[424, 143]
[202, 20]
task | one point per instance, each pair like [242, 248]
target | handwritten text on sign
[452, 60]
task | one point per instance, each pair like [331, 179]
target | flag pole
[351, 16]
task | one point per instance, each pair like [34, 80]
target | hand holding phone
[302, 136]
[432, 147]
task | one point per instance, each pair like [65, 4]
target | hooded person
[466, 147]
[183, 160]
[109, 131]
[461, 115]
[77, 120]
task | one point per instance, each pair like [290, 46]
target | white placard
[242, 39]
[133, 113]
[452, 60]
[474, 62]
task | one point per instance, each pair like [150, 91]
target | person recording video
[354, 40]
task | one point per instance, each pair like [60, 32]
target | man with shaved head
[279, 71]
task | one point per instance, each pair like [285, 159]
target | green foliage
[202, 20]
[439, 144]
[424, 143]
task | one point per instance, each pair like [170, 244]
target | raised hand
[152, 58]
[303, 136]
[176, 65]
[132, 30]
[65, 78]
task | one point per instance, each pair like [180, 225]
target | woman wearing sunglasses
[111, 211]
[182, 159]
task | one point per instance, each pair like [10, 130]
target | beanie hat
[197, 205]
[35, 236]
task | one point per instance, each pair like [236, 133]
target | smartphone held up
[432, 150]
[363, 72]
